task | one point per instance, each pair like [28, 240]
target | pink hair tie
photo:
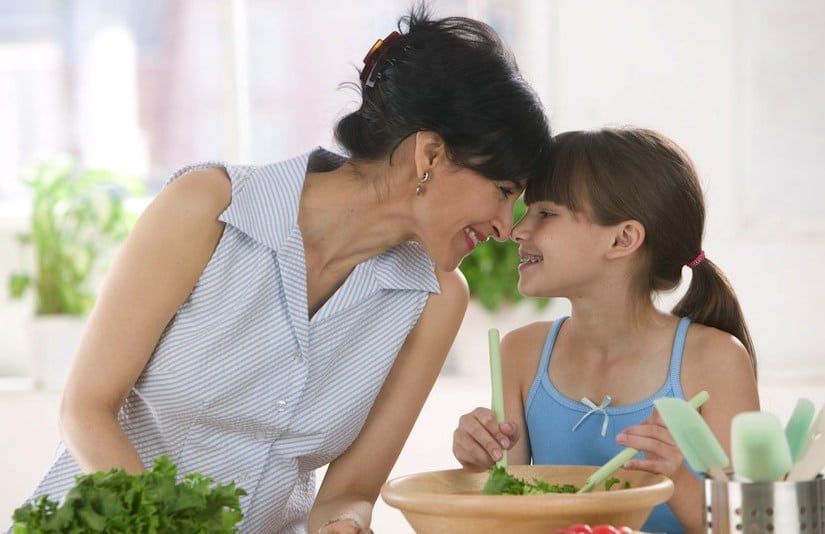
[697, 260]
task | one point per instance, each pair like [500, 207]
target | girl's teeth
[531, 259]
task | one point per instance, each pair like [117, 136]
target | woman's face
[462, 209]
[562, 252]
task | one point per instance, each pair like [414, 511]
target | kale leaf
[152, 502]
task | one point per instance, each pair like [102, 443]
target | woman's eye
[506, 191]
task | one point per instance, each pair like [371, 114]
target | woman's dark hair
[455, 77]
[614, 175]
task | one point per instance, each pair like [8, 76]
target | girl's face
[562, 252]
[463, 209]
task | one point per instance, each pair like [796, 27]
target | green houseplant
[77, 219]
[77, 216]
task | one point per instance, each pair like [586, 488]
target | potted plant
[77, 218]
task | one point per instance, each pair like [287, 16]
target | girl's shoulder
[710, 352]
[521, 351]
[527, 336]
[523, 346]
[707, 344]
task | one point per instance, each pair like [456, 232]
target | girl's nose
[519, 232]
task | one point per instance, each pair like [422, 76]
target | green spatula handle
[497, 386]
[629, 452]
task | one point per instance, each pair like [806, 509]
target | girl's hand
[661, 454]
[479, 440]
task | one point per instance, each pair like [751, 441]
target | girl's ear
[627, 239]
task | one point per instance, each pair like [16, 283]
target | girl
[617, 218]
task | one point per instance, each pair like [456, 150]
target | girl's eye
[506, 191]
[544, 214]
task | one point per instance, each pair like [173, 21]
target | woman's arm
[154, 272]
[353, 481]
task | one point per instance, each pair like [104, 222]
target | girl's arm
[718, 363]
[354, 479]
[154, 272]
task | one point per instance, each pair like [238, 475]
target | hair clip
[374, 57]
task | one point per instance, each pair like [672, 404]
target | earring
[424, 179]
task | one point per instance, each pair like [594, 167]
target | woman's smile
[473, 237]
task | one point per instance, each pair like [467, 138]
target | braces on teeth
[531, 259]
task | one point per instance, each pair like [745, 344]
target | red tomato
[605, 529]
[580, 528]
[625, 530]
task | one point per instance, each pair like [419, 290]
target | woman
[261, 322]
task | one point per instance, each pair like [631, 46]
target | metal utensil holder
[732, 507]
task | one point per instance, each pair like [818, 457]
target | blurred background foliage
[492, 271]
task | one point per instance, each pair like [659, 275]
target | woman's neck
[347, 216]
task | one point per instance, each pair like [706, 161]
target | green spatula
[694, 437]
[812, 458]
[796, 429]
[628, 452]
[759, 450]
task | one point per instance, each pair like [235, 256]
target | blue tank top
[563, 431]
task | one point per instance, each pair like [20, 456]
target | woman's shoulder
[202, 188]
[453, 283]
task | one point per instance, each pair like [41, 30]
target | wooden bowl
[450, 502]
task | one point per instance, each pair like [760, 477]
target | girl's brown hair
[619, 174]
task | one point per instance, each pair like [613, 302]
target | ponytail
[710, 300]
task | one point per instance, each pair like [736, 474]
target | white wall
[737, 83]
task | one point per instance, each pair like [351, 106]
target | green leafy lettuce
[500, 482]
[152, 502]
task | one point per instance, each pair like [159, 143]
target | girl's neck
[614, 328]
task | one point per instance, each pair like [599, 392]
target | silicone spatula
[796, 429]
[759, 450]
[497, 386]
[629, 452]
[694, 437]
[812, 458]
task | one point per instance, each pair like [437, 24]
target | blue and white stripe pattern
[243, 385]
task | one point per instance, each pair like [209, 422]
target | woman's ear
[629, 236]
[429, 151]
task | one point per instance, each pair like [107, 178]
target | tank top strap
[546, 351]
[675, 372]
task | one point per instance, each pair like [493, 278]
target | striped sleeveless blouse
[243, 385]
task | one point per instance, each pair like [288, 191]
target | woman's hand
[661, 454]
[343, 526]
[479, 440]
